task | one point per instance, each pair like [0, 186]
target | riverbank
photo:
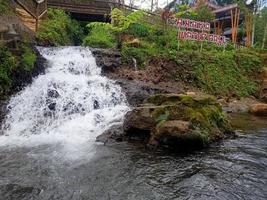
[158, 78]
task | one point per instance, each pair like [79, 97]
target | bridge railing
[36, 8]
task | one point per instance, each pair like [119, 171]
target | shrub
[6, 7]
[58, 29]
[140, 54]
[75, 32]
[7, 63]
[28, 58]
[138, 30]
[220, 75]
[99, 37]
[248, 60]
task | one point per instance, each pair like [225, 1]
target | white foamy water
[70, 104]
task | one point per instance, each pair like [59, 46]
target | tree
[203, 12]
[184, 11]
[119, 22]
[260, 28]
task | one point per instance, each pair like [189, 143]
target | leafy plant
[6, 7]
[120, 23]
[99, 37]
[58, 29]
[203, 12]
[28, 58]
[7, 63]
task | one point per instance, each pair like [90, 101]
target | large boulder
[177, 121]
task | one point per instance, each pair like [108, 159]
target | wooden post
[37, 17]
[234, 22]
[248, 26]
[218, 27]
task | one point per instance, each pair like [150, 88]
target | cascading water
[70, 104]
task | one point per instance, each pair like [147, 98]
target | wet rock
[177, 121]
[52, 106]
[107, 59]
[96, 105]
[52, 93]
[114, 133]
[259, 109]
[136, 92]
[139, 119]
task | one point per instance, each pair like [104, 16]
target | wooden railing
[98, 7]
[36, 8]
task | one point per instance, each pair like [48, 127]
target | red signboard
[204, 27]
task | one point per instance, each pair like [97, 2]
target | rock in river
[177, 121]
[259, 109]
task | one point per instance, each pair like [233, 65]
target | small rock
[259, 109]
[52, 93]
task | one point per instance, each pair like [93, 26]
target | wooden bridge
[89, 10]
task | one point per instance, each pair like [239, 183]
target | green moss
[160, 99]
[203, 113]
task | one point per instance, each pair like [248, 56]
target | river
[47, 150]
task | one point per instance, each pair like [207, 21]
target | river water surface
[47, 150]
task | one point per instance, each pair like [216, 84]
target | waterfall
[70, 104]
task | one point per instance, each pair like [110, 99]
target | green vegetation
[28, 58]
[23, 62]
[120, 23]
[215, 69]
[5, 7]
[99, 37]
[59, 29]
[7, 63]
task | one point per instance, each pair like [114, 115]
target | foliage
[203, 12]
[248, 60]
[219, 74]
[7, 63]
[184, 11]
[120, 22]
[217, 70]
[99, 37]
[5, 7]
[75, 32]
[28, 58]
[58, 29]
[260, 26]
[138, 30]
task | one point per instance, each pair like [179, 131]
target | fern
[119, 22]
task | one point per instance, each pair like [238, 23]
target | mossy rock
[192, 101]
[178, 120]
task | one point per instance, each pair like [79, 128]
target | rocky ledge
[179, 122]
